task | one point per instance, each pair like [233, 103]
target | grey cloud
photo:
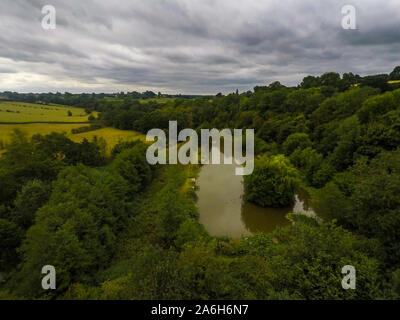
[383, 36]
[188, 46]
[6, 70]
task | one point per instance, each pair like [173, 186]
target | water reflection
[224, 212]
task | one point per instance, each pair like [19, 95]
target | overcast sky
[190, 46]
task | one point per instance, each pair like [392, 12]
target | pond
[224, 212]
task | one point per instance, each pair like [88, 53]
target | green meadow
[45, 119]
[23, 112]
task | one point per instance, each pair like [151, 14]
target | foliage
[190, 231]
[132, 165]
[10, 239]
[296, 141]
[273, 182]
[32, 197]
[83, 216]
[172, 211]
[319, 253]
[21, 163]
[125, 230]
[366, 200]
[395, 74]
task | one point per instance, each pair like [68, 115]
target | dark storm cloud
[387, 35]
[188, 46]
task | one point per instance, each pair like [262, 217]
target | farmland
[23, 112]
[35, 128]
[111, 135]
[323, 193]
[45, 119]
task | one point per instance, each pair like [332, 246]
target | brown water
[224, 212]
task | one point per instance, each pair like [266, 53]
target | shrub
[273, 182]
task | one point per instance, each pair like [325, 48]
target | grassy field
[29, 112]
[111, 135]
[34, 128]
[21, 115]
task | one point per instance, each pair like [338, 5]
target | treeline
[59, 205]
[341, 133]
[89, 101]
[27, 169]
[92, 127]
[115, 227]
[131, 231]
[97, 102]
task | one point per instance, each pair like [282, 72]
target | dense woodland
[117, 228]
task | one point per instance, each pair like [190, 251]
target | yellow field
[21, 113]
[394, 81]
[111, 135]
[34, 128]
[31, 112]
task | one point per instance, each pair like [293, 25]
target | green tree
[75, 231]
[21, 163]
[331, 79]
[296, 141]
[132, 165]
[395, 74]
[123, 145]
[365, 199]
[33, 196]
[10, 239]
[348, 135]
[303, 100]
[310, 82]
[190, 231]
[273, 182]
[306, 259]
[309, 161]
[172, 210]
[377, 105]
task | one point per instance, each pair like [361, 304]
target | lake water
[223, 211]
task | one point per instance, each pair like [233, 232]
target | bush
[172, 210]
[132, 165]
[123, 145]
[92, 127]
[376, 106]
[33, 195]
[11, 237]
[76, 231]
[273, 182]
[296, 141]
[190, 231]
